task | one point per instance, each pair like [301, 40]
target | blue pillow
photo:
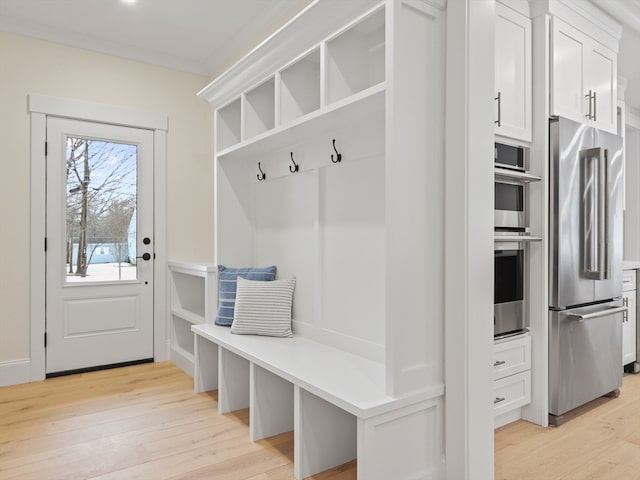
[227, 282]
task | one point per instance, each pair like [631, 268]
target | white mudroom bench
[333, 400]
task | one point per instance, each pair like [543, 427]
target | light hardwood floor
[145, 422]
[600, 441]
[142, 422]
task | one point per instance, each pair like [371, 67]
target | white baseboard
[166, 354]
[183, 361]
[14, 372]
[506, 418]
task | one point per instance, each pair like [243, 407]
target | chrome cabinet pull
[497, 363]
[589, 97]
[595, 104]
[499, 399]
[499, 99]
[625, 314]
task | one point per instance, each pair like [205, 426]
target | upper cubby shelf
[345, 68]
[228, 125]
[331, 118]
[356, 58]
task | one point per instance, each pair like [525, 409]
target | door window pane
[101, 211]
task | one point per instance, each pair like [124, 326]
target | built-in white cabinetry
[511, 377]
[629, 326]
[330, 165]
[193, 290]
[513, 73]
[584, 77]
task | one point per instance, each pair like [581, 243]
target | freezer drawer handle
[602, 313]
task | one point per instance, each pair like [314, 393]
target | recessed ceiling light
[129, 2]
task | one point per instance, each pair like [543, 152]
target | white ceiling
[197, 36]
[205, 36]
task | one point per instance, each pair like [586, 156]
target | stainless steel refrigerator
[585, 271]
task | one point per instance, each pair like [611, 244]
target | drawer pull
[499, 399]
[497, 363]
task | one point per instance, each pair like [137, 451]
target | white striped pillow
[263, 308]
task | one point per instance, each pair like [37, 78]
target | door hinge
[45, 244]
[45, 339]
[46, 148]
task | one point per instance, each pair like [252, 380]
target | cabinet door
[584, 78]
[601, 78]
[629, 329]
[568, 93]
[513, 73]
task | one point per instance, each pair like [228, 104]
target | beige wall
[29, 66]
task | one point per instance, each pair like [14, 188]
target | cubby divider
[271, 404]
[205, 375]
[233, 382]
[324, 435]
[300, 87]
[259, 109]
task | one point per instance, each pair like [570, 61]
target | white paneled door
[99, 246]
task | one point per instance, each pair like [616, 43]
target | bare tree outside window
[101, 199]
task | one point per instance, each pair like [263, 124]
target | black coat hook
[261, 176]
[293, 169]
[338, 155]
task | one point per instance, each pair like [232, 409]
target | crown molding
[318, 20]
[625, 11]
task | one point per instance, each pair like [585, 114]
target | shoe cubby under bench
[334, 401]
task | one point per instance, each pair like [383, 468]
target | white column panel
[469, 239]
[414, 198]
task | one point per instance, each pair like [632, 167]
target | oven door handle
[599, 314]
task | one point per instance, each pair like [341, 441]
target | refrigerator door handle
[581, 317]
[594, 201]
[603, 215]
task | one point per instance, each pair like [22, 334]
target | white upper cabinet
[584, 78]
[513, 74]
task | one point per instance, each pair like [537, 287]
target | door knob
[145, 256]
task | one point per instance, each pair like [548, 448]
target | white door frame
[41, 106]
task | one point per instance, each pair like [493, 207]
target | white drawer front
[511, 357]
[511, 392]
[629, 280]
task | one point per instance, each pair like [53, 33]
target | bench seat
[351, 382]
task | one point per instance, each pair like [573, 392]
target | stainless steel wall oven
[510, 194]
[510, 212]
[509, 288]
[510, 156]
